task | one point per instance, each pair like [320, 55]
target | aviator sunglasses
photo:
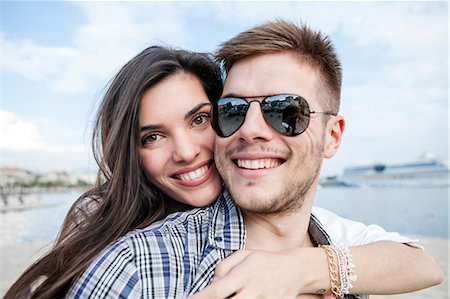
[288, 114]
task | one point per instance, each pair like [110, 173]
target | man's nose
[255, 127]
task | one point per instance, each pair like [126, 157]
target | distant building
[10, 176]
[87, 178]
[18, 177]
[57, 177]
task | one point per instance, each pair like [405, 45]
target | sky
[57, 58]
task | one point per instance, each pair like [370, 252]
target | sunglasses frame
[215, 108]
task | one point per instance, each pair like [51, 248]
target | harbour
[417, 212]
[426, 172]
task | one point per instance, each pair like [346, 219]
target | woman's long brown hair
[123, 198]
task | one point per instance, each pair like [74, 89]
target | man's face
[265, 171]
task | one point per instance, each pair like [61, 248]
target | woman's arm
[389, 267]
[383, 267]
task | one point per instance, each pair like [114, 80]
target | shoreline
[16, 258]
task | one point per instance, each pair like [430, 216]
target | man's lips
[256, 168]
[255, 160]
[265, 163]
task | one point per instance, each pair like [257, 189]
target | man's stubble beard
[291, 199]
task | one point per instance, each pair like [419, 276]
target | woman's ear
[333, 136]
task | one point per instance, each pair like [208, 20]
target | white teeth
[261, 164]
[258, 164]
[193, 175]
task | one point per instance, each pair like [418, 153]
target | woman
[154, 147]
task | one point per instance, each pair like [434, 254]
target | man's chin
[251, 200]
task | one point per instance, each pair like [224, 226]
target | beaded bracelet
[345, 266]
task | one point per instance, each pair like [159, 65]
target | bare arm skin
[388, 267]
[383, 267]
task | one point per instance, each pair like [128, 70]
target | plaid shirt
[172, 258]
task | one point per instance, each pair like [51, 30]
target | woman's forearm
[383, 267]
[388, 267]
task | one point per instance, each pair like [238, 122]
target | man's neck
[278, 232]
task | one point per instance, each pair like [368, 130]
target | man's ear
[333, 136]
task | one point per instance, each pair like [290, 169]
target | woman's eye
[200, 119]
[150, 138]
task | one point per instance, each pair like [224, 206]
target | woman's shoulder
[112, 272]
[139, 252]
[157, 234]
[178, 223]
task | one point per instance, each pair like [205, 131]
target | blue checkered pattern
[172, 258]
[169, 259]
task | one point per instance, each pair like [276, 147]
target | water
[407, 211]
[36, 224]
[417, 211]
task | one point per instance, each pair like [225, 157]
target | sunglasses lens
[228, 115]
[288, 114]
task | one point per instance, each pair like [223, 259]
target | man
[271, 168]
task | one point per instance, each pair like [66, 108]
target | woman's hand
[261, 274]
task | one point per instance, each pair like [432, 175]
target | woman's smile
[197, 176]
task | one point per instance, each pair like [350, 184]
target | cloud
[18, 134]
[395, 57]
[24, 136]
[115, 32]
[25, 143]
[112, 34]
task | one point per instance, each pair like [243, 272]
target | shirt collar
[317, 233]
[227, 230]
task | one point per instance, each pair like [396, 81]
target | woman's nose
[186, 148]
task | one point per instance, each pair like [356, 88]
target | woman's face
[177, 140]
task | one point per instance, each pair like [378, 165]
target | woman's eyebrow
[150, 127]
[188, 114]
[195, 109]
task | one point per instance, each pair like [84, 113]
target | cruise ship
[421, 173]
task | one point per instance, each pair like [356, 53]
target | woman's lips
[195, 176]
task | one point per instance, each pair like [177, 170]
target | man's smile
[258, 163]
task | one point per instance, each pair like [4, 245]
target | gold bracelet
[334, 272]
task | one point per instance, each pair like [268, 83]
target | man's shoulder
[350, 232]
[182, 219]
[193, 226]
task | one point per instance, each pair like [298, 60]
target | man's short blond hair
[305, 44]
